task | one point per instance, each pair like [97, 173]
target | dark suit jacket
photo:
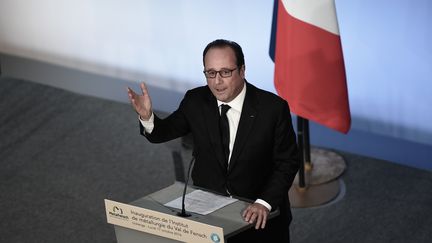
[264, 159]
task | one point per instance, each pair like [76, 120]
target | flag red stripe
[310, 73]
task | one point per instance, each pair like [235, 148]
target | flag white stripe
[321, 13]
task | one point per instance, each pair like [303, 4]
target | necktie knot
[224, 109]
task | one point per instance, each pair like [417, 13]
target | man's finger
[258, 221]
[252, 218]
[246, 211]
[144, 89]
[146, 96]
[264, 220]
[131, 95]
[247, 214]
[129, 91]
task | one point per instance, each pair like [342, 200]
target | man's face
[224, 89]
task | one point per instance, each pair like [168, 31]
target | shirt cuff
[264, 203]
[148, 125]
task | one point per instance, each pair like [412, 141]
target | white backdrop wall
[386, 45]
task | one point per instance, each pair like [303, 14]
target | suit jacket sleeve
[174, 126]
[285, 160]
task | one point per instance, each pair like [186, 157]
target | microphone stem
[183, 212]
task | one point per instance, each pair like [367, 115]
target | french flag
[309, 66]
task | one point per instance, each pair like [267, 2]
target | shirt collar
[237, 102]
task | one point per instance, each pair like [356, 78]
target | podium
[228, 218]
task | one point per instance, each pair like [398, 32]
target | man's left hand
[256, 213]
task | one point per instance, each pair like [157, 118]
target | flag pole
[321, 165]
[300, 138]
[302, 193]
[328, 166]
[306, 142]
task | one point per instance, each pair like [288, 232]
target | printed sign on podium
[161, 224]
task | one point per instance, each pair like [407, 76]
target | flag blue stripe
[272, 49]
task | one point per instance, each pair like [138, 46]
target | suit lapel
[247, 120]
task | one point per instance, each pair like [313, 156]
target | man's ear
[242, 71]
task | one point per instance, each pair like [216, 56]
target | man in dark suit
[244, 142]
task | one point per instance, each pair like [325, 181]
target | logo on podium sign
[117, 212]
[215, 238]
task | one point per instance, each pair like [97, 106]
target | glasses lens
[225, 73]
[210, 74]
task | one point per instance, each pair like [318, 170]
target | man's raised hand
[141, 102]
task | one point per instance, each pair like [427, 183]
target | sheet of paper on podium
[201, 202]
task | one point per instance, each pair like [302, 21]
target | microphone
[183, 213]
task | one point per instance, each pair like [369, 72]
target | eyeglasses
[224, 73]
